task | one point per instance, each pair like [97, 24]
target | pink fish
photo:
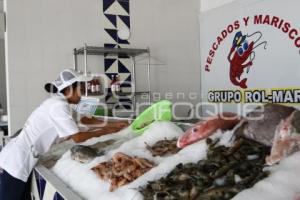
[297, 196]
[286, 139]
[204, 129]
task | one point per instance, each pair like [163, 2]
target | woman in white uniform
[51, 120]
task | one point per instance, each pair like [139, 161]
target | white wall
[42, 34]
[210, 4]
[2, 76]
[171, 29]
[1, 20]
[2, 63]
[40, 39]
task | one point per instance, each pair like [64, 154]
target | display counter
[47, 185]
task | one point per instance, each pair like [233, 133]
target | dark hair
[49, 87]
[73, 86]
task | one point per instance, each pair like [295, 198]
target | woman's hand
[90, 121]
[104, 129]
[95, 123]
[118, 124]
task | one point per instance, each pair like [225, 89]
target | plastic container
[99, 111]
[160, 111]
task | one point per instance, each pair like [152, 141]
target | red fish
[286, 140]
[204, 129]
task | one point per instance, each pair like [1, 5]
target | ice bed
[71, 180]
[48, 185]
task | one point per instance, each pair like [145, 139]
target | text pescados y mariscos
[279, 23]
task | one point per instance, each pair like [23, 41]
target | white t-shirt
[51, 120]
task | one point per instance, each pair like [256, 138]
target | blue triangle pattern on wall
[122, 68]
[57, 196]
[109, 75]
[120, 41]
[108, 63]
[125, 19]
[112, 19]
[41, 184]
[128, 79]
[126, 84]
[116, 17]
[107, 4]
[113, 34]
[125, 5]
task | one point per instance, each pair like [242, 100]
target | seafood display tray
[283, 182]
[47, 186]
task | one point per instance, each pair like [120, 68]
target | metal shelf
[120, 94]
[128, 52]
[92, 50]
[127, 93]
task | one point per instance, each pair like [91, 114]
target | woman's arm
[97, 123]
[83, 136]
[90, 120]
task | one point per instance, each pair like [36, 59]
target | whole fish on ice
[287, 138]
[204, 129]
[260, 124]
[85, 154]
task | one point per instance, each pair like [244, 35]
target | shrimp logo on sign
[241, 57]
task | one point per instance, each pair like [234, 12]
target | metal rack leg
[149, 77]
[75, 59]
[85, 68]
[133, 84]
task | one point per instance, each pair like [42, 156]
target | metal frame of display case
[130, 52]
[45, 184]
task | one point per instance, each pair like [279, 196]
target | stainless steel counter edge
[59, 185]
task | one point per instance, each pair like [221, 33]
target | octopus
[122, 169]
[163, 147]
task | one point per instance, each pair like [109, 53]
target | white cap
[65, 79]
